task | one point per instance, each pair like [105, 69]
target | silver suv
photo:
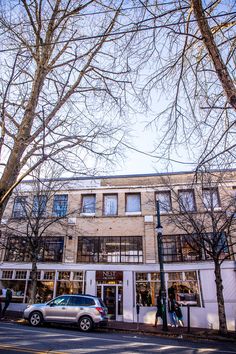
[86, 310]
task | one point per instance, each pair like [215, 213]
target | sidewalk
[174, 332]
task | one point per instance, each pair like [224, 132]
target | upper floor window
[187, 200]
[39, 205]
[110, 204]
[89, 204]
[211, 199]
[19, 249]
[60, 205]
[19, 207]
[133, 202]
[114, 249]
[164, 201]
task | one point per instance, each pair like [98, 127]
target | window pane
[110, 249]
[133, 202]
[60, 205]
[164, 201]
[187, 201]
[89, 204]
[211, 198]
[110, 204]
[39, 205]
[19, 208]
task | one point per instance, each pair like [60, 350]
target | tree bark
[214, 53]
[220, 299]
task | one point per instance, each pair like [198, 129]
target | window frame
[133, 212]
[104, 204]
[166, 192]
[62, 211]
[110, 249]
[212, 191]
[20, 211]
[182, 206]
[83, 211]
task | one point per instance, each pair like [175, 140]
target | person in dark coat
[159, 311]
[8, 298]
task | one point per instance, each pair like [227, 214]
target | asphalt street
[21, 338]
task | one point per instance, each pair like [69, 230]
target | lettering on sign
[108, 275]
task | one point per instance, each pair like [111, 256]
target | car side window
[59, 301]
[88, 301]
[75, 301]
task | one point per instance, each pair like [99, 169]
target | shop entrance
[112, 296]
[110, 289]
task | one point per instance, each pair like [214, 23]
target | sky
[143, 139]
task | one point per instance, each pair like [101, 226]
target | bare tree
[192, 75]
[65, 82]
[208, 222]
[27, 236]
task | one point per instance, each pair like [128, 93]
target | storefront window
[44, 291]
[147, 288]
[184, 287]
[67, 286]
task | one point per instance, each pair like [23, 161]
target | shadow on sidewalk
[175, 332]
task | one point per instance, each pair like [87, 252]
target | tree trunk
[220, 299]
[34, 280]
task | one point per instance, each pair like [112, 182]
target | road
[20, 338]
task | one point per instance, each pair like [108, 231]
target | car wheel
[35, 318]
[85, 324]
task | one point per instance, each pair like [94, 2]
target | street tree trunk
[34, 280]
[220, 299]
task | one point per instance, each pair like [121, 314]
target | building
[106, 244]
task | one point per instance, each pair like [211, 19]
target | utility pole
[162, 273]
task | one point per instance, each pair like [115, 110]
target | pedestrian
[179, 314]
[0, 307]
[159, 311]
[8, 298]
[171, 310]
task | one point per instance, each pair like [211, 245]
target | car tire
[35, 318]
[85, 324]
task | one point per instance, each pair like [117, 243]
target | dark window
[75, 301]
[60, 301]
[117, 249]
[39, 205]
[19, 207]
[49, 249]
[86, 301]
[189, 248]
[60, 205]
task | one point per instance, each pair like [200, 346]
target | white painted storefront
[120, 281]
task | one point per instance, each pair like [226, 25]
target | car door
[56, 310]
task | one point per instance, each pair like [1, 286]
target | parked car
[86, 310]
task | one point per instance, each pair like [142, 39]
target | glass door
[109, 297]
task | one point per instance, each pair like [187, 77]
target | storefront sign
[109, 275]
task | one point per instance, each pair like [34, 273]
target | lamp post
[162, 273]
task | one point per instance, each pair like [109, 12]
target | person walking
[8, 298]
[179, 314]
[159, 311]
[171, 310]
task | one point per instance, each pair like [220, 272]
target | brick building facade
[106, 245]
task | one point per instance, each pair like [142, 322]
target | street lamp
[162, 273]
